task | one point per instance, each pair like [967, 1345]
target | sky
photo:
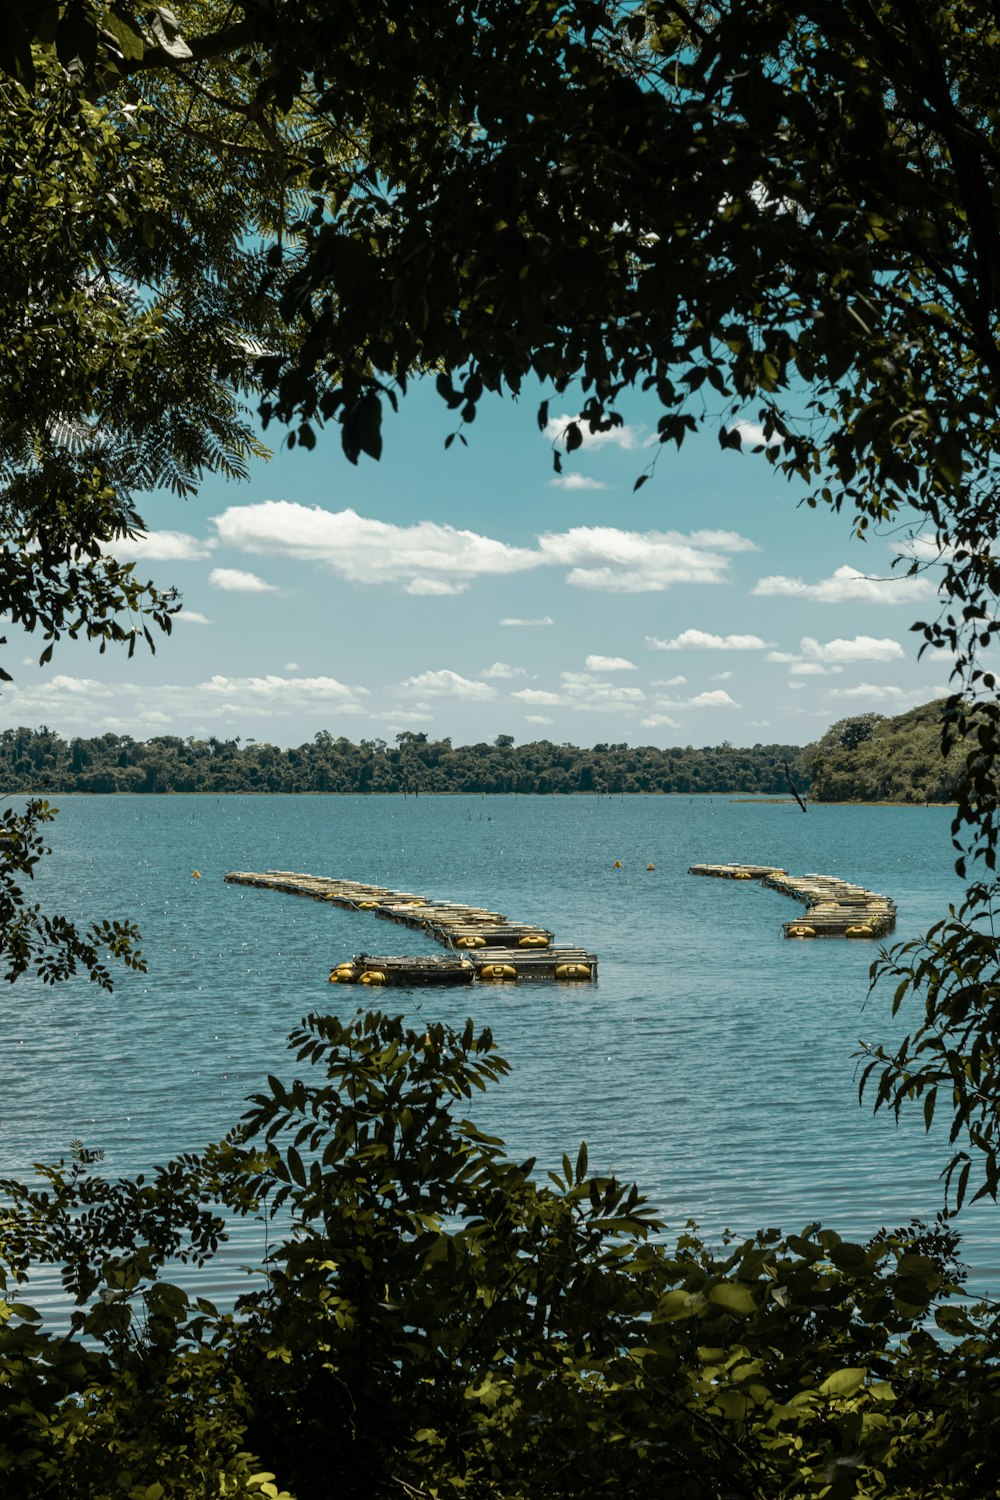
[472, 592]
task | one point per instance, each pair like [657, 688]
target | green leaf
[125, 32]
[733, 1298]
[843, 1383]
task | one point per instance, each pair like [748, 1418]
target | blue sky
[468, 593]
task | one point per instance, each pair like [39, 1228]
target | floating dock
[483, 945]
[834, 908]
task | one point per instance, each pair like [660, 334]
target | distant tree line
[874, 759]
[33, 760]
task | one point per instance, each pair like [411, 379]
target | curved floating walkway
[835, 908]
[483, 944]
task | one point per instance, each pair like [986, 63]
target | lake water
[711, 1063]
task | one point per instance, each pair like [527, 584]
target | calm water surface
[711, 1063]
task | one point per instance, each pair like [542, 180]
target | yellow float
[373, 976]
[368, 906]
[498, 971]
[533, 940]
[800, 930]
[572, 971]
[471, 942]
[860, 930]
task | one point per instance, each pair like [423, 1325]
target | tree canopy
[782, 211]
[787, 212]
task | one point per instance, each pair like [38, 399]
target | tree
[436, 1320]
[51, 947]
[784, 211]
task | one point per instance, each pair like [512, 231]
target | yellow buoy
[742, 875]
[533, 940]
[498, 971]
[195, 874]
[650, 867]
[860, 930]
[617, 864]
[572, 971]
[373, 976]
[471, 942]
[801, 930]
[343, 976]
[368, 906]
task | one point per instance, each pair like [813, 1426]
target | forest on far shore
[867, 758]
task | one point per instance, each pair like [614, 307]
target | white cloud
[846, 583]
[617, 437]
[677, 681]
[609, 664]
[897, 696]
[429, 558]
[73, 701]
[545, 620]
[928, 550]
[703, 640]
[158, 546]
[720, 677]
[235, 580]
[576, 482]
[538, 719]
[726, 541]
[291, 666]
[659, 721]
[817, 659]
[74, 687]
[589, 694]
[192, 617]
[752, 435]
[501, 670]
[537, 695]
[861, 648]
[639, 562]
[431, 587]
[399, 716]
[272, 689]
[717, 698]
[601, 705]
[445, 684]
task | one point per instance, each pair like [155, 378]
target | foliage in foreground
[51, 947]
[438, 1322]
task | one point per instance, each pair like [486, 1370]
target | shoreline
[748, 799]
